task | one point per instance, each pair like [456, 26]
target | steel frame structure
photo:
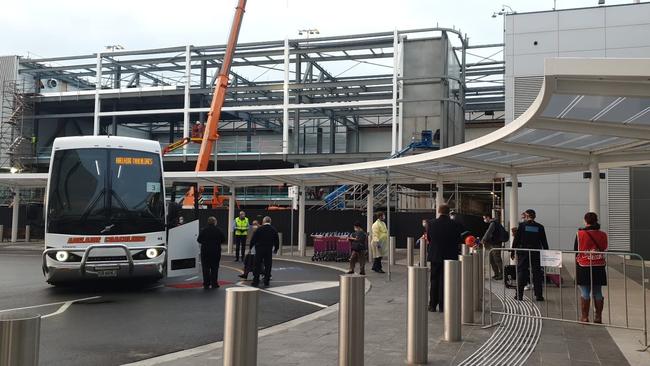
[340, 83]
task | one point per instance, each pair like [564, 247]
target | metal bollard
[351, 320]
[476, 281]
[464, 249]
[417, 337]
[423, 254]
[240, 327]
[452, 320]
[391, 251]
[467, 304]
[280, 239]
[410, 244]
[27, 230]
[20, 335]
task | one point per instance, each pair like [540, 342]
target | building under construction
[295, 102]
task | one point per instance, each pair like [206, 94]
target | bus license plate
[107, 273]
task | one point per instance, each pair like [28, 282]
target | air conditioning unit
[53, 85]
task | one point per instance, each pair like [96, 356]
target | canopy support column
[514, 203]
[14, 215]
[301, 222]
[231, 219]
[370, 208]
[440, 200]
[594, 187]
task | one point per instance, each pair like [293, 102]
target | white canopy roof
[589, 110]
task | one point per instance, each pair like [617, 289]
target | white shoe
[527, 287]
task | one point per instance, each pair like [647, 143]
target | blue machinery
[332, 199]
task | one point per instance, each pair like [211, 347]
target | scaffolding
[16, 142]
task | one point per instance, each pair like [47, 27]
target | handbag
[593, 255]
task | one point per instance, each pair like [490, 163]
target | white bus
[106, 214]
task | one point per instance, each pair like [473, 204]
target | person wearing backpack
[494, 237]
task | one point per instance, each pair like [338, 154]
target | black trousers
[436, 297]
[210, 267]
[529, 262]
[376, 264]
[240, 244]
[496, 262]
[262, 258]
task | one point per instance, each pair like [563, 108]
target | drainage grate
[515, 338]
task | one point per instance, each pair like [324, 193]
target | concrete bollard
[20, 335]
[391, 251]
[410, 244]
[351, 320]
[240, 327]
[452, 301]
[417, 336]
[281, 240]
[467, 290]
[27, 232]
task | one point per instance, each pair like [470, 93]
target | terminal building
[342, 99]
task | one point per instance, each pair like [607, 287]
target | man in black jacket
[530, 235]
[444, 235]
[266, 241]
[210, 239]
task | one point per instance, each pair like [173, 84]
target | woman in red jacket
[590, 267]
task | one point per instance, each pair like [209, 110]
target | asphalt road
[121, 322]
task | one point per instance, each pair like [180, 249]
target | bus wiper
[92, 205]
[107, 229]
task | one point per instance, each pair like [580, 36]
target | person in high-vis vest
[241, 233]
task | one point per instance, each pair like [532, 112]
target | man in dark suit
[210, 239]
[444, 235]
[266, 241]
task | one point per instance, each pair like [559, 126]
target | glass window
[136, 195]
[105, 192]
[77, 200]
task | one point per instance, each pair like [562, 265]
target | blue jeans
[597, 292]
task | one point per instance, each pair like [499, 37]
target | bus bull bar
[608, 255]
[86, 253]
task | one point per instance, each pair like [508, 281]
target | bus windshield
[98, 191]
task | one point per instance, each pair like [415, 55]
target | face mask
[254, 226]
[424, 224]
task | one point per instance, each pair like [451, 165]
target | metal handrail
[607, 255]
[88, 249]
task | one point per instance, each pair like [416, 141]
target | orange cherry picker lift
[211, 132]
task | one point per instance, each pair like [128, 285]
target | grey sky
[68, 27]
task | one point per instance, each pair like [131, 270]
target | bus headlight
[62, 256]
[151, 253]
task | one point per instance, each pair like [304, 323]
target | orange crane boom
[211, 133]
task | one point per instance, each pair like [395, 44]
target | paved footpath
[314, 339]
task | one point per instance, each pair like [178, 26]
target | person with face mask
[530, 235]
[494, 237]
[379, 244]
[358, 247]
